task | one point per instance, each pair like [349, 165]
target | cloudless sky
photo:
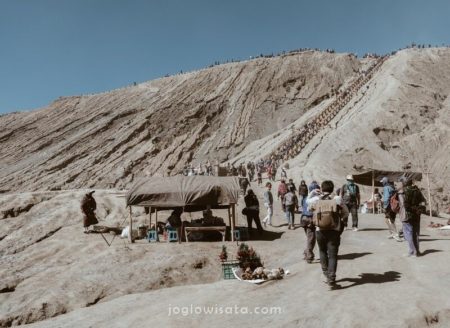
[52, 48]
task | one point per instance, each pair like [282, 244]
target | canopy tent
[191, 193]
[373, 176]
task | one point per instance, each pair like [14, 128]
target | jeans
[268, 218]
[290, 214]
[411, 232]
[328, 242]
[353, 209]
[310, 233]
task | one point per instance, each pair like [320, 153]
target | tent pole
[429, 192]
[150, 219]
[130, 232]
[373, 192]
[156, 222]
[229, 216]
[233, 220]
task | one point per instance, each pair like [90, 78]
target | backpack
[350, 193]
[289, 199]
[327, 214]
[394, 203]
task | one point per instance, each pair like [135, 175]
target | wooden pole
[429, 192]
[229, 216]
[233, 220]
[373, 192]
[156, 218]
[150, 219]
[130, 232]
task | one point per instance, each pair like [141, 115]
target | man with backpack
[328, 214]
[290, 203]
[410, 198]
[306, 222]
[389, 213]
[351, 198]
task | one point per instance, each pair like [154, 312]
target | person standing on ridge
[88, 207]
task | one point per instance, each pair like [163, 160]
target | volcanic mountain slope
[105, 139]
[236, 112]
[400, 119]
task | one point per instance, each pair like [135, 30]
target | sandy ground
[119, 286]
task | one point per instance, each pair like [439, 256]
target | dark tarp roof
[193, 193]
[365, 178]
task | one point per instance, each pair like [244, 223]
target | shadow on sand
[352, 256]
[266, 235]
[370, 278]
[372, 229]
[429, 251]
[421, 240]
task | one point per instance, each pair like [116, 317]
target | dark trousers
[328, 242]
[353, 209]
[254, 216]
[310, 233]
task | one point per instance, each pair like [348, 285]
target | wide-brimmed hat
[384, 180]
[349, 177]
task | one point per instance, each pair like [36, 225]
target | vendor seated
[174, 220]
[375, 199]
[208, 218]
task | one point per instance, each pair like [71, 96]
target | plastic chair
[152, 236]
[237, 235]
[172, 235]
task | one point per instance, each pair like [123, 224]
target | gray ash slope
[225, 112]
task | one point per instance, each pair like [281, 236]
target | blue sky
[52, 48]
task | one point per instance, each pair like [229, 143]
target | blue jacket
[388, 190]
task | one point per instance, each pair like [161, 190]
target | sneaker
[289, 227]
[397, 238]
[391, 237]
[355, 229]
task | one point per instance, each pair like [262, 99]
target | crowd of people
[300, 138]
[201, 169]
[325, 210]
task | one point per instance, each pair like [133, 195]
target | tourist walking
[328, 215]
[410, 199]
[268, 203]
[389, 214]
[290, 203]
[252, 211]
[351, 198]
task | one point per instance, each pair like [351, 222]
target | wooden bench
[221, 229]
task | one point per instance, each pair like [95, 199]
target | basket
[227, 267]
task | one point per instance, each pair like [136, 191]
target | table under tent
[189, 193]
[372, 177]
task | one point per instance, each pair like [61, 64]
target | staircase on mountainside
[298, 140]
